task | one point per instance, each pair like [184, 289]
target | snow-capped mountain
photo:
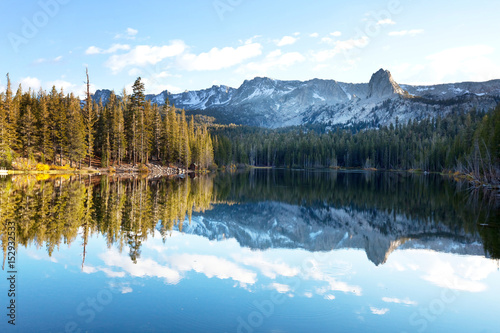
[196, 100]
[273, 103]
[267, 224]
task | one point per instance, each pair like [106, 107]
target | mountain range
[270, 103]
[272, 224]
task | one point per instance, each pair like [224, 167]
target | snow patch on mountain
[273, 103]
[266, 225]
[315, 95]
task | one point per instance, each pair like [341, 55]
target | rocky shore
[152, 169]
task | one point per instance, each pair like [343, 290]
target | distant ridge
[273, 103]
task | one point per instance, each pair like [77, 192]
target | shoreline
[156, 170]
[457, 176]
[149, 169]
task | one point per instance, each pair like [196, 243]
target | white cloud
[212, 266]
[173, 267]
[296, 33]
[410, 33]
[143, 55]
[163, 74]
[144, 267]
[154, 85]
[251, 39]
[444, 275]
[268, 269]
[333, 284]
[314, 35]
[321, 67]
[154, 74]
[112, 274]
[93, 50]
[327, 40]
[406, 70]
[114, 48]
[329, 297]
[126, 290]
[465, 63]
[405, 301]
[153, 79]
[30, 82]
[330, 40]
[377, 311]
[468, 63]
[217, 59]
[340, 46]
[135, 72]
[281, 288]
[275, 59]
[61, 84]
[53, 61]
[386, 22]
[287, 40]
[130, 33]
[89, 269]
[67, 87]
[118, 47]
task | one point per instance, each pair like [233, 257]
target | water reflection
[317, 211]
[239, 244]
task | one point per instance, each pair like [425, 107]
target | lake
[254, 251]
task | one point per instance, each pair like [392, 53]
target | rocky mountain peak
[272, 103]
[383, 85]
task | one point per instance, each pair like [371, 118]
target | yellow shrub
[63, 168]
[42, 167]
[42, 177]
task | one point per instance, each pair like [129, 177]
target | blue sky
[188, 45]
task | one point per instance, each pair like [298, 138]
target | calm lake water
[258, 251]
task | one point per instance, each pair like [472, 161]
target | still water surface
[258, 251]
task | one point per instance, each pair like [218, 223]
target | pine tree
[117, 135]
[75, 132]
[165, 138]
[148, 130]
[57, 114]
[157, 132]
[44, 123]
[27, 131]
[89, 119]
[14, 115]
[137, 106]
[184, 148]
[192, 141]
[4, 132]
[173, 135]
[103, 130]
[126, 143]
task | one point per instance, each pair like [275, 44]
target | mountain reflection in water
[316, 211]
[193, 249]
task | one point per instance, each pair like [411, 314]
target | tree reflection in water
[49, 212]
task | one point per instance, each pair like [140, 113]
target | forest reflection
[126, 212]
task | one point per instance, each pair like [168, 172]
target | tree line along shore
[57, 133]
